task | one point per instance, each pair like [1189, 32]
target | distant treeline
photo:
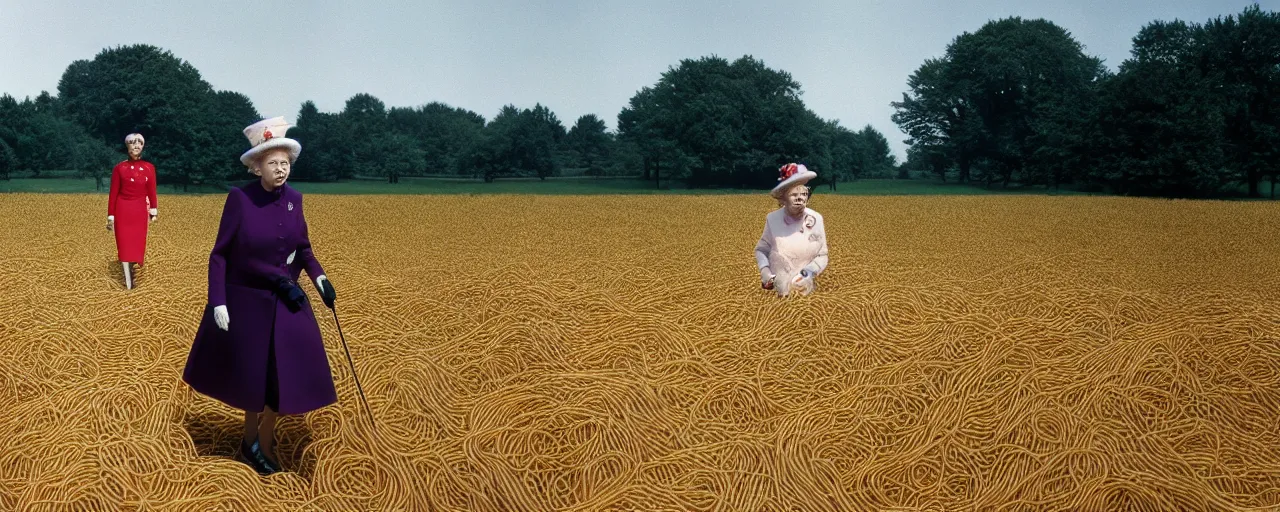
[1192, 113]
[707, 122]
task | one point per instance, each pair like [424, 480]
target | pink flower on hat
[787, 171]
[266, 135]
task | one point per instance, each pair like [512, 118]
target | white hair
[132, 136]
[258, 158]
[782, 197]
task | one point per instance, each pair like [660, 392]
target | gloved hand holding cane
[327, 294]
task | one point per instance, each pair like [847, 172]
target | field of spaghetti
[562, 353]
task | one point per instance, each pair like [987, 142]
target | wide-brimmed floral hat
[791, 174]
[268, 134]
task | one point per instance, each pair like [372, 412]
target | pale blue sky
[577, 57]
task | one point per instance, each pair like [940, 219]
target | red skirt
[131, 229]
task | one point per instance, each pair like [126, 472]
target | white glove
[319, 280]
[111, 222]
[803, 284]
[221, 318]
[765, 276]
[782, 286]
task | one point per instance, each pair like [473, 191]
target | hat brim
[798, 178]
[279, 142]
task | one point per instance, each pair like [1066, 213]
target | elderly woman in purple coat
[258, 347]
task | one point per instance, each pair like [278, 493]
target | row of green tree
[193, 133]
[707, 122]
[1194, 111]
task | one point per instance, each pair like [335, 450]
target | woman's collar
[274, 193]
[788, 219]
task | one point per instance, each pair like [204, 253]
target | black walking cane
[353, 367]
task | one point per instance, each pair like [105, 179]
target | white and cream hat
[268, 134]
[791, 174]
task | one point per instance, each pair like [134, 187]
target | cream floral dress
[789, 245]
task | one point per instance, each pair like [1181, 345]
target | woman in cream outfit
[792, 250]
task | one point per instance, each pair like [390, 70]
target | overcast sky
[577, 57]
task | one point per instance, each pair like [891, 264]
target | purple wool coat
[262, 234]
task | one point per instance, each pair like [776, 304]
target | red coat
[133, 193]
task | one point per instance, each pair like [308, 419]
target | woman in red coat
[132, 205]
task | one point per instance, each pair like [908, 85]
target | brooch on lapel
[809, 221]
[290, 205]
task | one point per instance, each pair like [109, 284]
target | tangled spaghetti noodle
[545, 353]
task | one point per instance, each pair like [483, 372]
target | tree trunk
[964, 168]
[657, 171]
[1254, 178]
[1273, 184]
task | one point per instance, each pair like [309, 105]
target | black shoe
[252, 454]
[271, 463]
